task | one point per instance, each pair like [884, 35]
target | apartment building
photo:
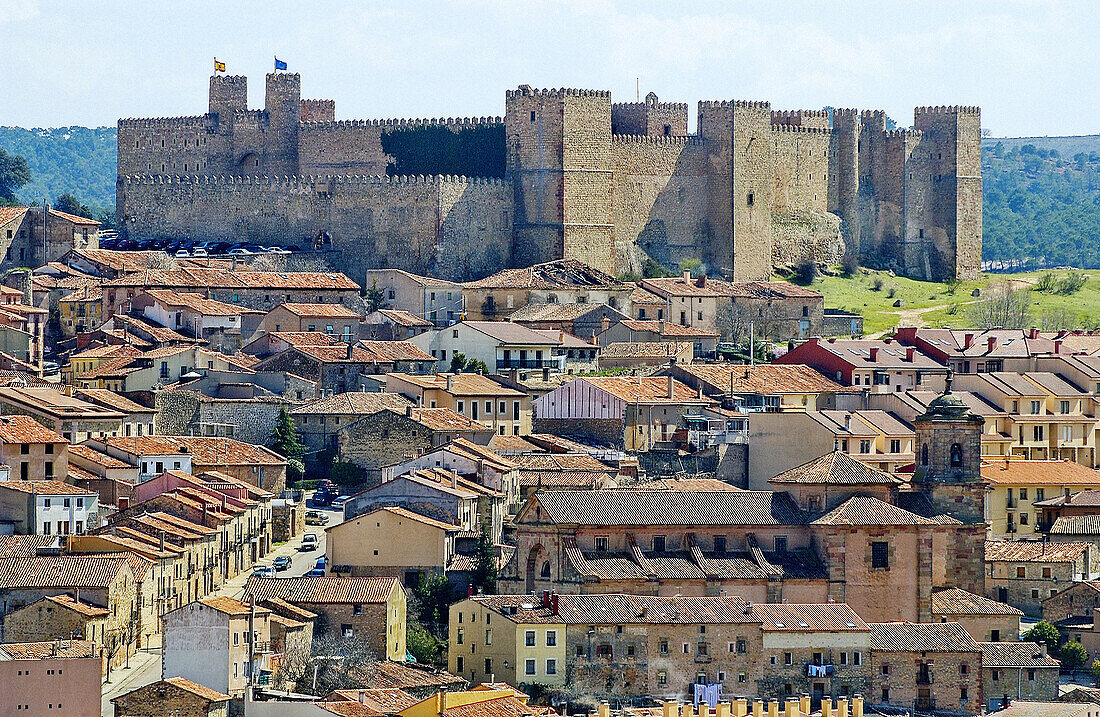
[506, 410]
[437, 300]
[1016, 485]
[877, 365]
[56, 677]
[32, 451]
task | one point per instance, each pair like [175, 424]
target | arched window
[956, 455]
[546, 570]
[924, 454]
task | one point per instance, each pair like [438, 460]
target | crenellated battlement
[407, 122]
[310, 181]
[908, 133]
[194, 121]
[873, 115]
[792, 116]
[527, 91]
[800, 128]
[692, 139]
[948, 110]
[642, 105]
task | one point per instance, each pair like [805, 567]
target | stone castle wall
[445, 226]
[608, 184]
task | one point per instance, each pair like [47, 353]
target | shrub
[850, 265]
[1071, 283]
[805, 272]
[1074, 655]
[891, 293]
[1047, 283]
[876, 285]
[952, 285]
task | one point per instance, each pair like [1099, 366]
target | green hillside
[66, 159]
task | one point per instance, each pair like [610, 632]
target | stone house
[506, 410]
[435, 493]
[75, 419]
[925, 667]
[173, 695]
[392, 325]
[137, 419]
[630, 413]
[1024, 573]
[218, 642]
[152, 369]
[364, 545]
[631, 331]
[636, 645]
[500, 345]
[985, 619]
[332, 319]
[340, 368]
[80, 310]
[1015, 671]
[369, 608]
[1076, 601]
[47, 507]
[824, 483]
[37, 235]
[291, 631]
[636, 355]
[387, 436]
[222, 325]
[319, 421]
[437, 300]
[196, 569]
[564, 281]
[473, 462]
[59, 617]
[32, 451]
[39, 677]
[288, 519]
[582, 320]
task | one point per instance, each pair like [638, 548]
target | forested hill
[1042, 194]
[79, 160]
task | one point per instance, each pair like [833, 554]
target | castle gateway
[565, 173]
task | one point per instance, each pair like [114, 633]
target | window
[658, 543]
[996, 675]
[459, 636]
[580, 650]
[994, 635]
[664, 647]
[603, 650]
[720, 544]
[601, 543]
[1046, 573]
[1040, 494]
[551, 638]
[662, 677]
[880, 554]
[1063, 407]
[749, 199]
[857, 658]
[895, 445]
[347, 630]
[1036, 406]
[551, 666]
[1021, 571]
[46, 502]
[529, 638]
[865, 446]
[781, 543]
[1023, 518]
[1031, 675]
[24, 449]
[742, 646]
[489, 637]
[529, 666]
[956, 455]
[885, 668]
[459, 665]
[357, 610]
[788, 658]
[964, 668]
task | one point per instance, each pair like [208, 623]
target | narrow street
[145, 665]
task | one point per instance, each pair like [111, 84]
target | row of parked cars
[190, 248]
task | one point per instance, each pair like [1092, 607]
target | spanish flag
[218, 66]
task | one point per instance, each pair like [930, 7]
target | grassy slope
[937, 308]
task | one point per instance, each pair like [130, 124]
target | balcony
[925, 677]
[526, 363]
[702, 657]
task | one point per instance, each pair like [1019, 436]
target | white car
[199, 252]
[182, 254]
[239, 252]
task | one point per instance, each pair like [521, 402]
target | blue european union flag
[279, 64]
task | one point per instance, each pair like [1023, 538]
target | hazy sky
[1032, 65]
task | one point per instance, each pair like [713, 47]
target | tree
[486, 568]
[376, 298]
[345, 473]
[1005, 307]
[1074, 655]
[459, 362]
[285, 439]
[1044, 633]
[423, 645]
[692, 265]
[14, 173]
[336, 662]
[1094, 670]
[805, 272]
[71, 205]
[432, 598]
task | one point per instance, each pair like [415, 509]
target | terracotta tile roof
[304, 338]
[387, 674]
[512, 444]
[24, 429]
[372, 702]
[400, 512]
[767, 379]
[1088, 498]
[50, 400]
[462, 384]
[61, 571]
[196, 689]
[204, 450]
[868, 510]
[832, 617]
[668, 329]
[73, 218]
[1015, 654]
[558, 312]
[197, 303]
[44, 487]
[1021, 551]
[561, 274]
[447, 420]
[112, 400]
[231, 606]
[90, 454]
[354, 403]
[110, 367]
[662, 507]
[278, 605]
[698, 484]
[88, 293]
[1076, 525]
[332, 311]
[645, 389]
[857, 353]
[614, 608]
[404, 318]
[63, 649]
[322, 590]
[644, 349]
[561, 462]
[387, 351]
[7, 214]
[305, 280]
[510, 334]
[923, 637]
[82, 607]
[1038, 472]
[836, 468]
[161, 334]
[24, 546]
[956, 601]
[478, 452]
[338, 354]
[505, 705]
[679, 286]
[641, 296]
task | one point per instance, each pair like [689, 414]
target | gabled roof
[956, 601]
[399, 512]
[836, 468]
[45, 487]
[197, 303]
[922, 637]
[510, 334]
[462, 384]
[767, 379]
[61, 571]
[1018, 471]
[857, 353]
[81, 607]
[868, 510]
[477, 452]
[660, 350]
[561, 274]
[322, 590]
[328, 311]
[663, 507]
[231, 606]
[196, 689]
[667, 329]
[387, 351]
[204, 450]
[355, 403]
[1020, 551]
[24, 429]
[1015, 654]
[24, 546]
[400, 317]
[1076, 525]
[644, 389]
[54, 649]
[111, 400]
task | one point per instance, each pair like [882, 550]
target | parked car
[316, 573]
[316, 517]
[239, 252]
[309, 542]
[283, 562]
[182, 254]
[50, 368]
[320, 563]
[200, 252]
[263, 571]
[339, 501]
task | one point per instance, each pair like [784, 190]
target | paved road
[145, 666]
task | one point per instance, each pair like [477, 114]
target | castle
[578, 176]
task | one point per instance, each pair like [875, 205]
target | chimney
[123, 502]
[687, 275]
[661, 327]
[804, 704]
[848, 422]
[450, 382]
[990, 343]
[842, 707]
[362, 694]
[701, 282]
[747, 609]
[454, 479]
[553, 603]
[441, 701]
[874, 354]
[1043, 649]
[857, 705]
[546, 598]
[546, 373]
[909, 354]
[408, 411]
[350, 347]
[671, 381]
[162, 541]
[793, 708]
[1058, 346]
[669, 708]
[604, 710]
[605, 323]
[968, 340]
[1034, 333]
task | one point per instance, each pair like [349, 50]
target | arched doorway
[538, 567]
[248, 164]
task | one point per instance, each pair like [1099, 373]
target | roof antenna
[637, 89]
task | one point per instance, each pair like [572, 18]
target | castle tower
[228, 95]
[954, 155]
[558, 147]
[283, 105]
[949, 456]
[740, 171]
[844, 169]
